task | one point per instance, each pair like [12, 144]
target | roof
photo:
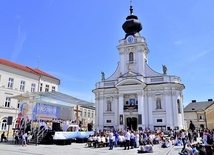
[195, 106]
[25, 68]
[53, 98]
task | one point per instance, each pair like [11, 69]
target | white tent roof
[53, 98]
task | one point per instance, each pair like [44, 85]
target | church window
[127, 102]
[108, 105]
[131, 56]
[108, 121]
[158, 103]
[179, 106]
[159, 120]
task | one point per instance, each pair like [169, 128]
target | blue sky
[76, 40]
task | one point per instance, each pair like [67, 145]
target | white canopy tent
[53, 98]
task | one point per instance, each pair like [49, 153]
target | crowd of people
[193, 142]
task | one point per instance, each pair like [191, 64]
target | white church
[135, 96]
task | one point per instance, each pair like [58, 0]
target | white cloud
[19, 43]
[201, 54]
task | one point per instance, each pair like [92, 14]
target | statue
[158, 104]
[191, 126]
[103, 76]
[129, 68]
[164, 69]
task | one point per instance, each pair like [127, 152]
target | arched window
[179, 106]
[158, 103]
[108, 105]
[131, 56]
[4, 124]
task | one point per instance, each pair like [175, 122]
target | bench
[102, 144]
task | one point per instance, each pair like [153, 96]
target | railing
[40, 135]
[130, 108]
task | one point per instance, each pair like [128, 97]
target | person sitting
[167, 143]
[149, 148]
[179, 142]
[3, 137]
[194, 150]
[187, 150]
[156, 139]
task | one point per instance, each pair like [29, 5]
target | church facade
[135, 96]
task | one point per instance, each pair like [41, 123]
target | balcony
[130, 108]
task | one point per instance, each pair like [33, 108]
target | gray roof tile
[195, 106]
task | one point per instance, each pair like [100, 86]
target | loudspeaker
[9, 120]
[55, 126]
[90, 127]
[168, 128]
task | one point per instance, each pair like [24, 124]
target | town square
[97, 82]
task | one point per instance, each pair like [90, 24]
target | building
[135, 96]
[210, 116]
[16, 79]
[86, 114]
[199, 113]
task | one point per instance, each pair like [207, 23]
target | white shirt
[110, 135]
[127, 136]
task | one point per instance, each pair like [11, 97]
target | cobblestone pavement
[9, 148]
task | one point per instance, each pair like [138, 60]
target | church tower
[135, 96]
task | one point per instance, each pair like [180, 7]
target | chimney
[210, 99]
[193, 100]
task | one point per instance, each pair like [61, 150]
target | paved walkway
[9, 148]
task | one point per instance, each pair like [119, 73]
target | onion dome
[132, 25]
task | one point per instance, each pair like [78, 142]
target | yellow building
[210, 116]
[197, 113]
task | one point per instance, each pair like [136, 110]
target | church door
[131, 123]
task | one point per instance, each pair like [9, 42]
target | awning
[53, 98]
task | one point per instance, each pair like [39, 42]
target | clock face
[130, 39]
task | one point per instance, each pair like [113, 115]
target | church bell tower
[133, 48]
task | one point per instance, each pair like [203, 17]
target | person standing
[116, 138]
[191, 126]
[110, 140]
[3, 137]
[23, 139]
[16, 137]
[127, 138]
[132, 139]
[206, 143]
[184, 140]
